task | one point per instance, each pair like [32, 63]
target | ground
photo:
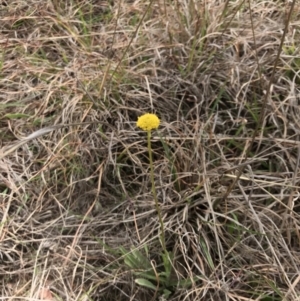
[213, 213]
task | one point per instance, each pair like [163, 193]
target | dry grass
[75, 198]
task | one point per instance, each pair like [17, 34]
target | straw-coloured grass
[78, 219]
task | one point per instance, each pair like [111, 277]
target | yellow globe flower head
[148, 122]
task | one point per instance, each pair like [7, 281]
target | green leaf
[150, 275]
[16, 116]
[206, 252]
[145, 283]
[136, 260]
[167, 258]
[133, 261]
[167, 293]
[129, 261]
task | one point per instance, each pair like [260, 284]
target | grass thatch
[78, 219]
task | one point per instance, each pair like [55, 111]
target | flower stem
[162, 233]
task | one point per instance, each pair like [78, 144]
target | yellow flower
[148, 122]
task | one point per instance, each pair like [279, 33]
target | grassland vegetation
[78, 217]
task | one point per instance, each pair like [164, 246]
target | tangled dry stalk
[75, 195]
